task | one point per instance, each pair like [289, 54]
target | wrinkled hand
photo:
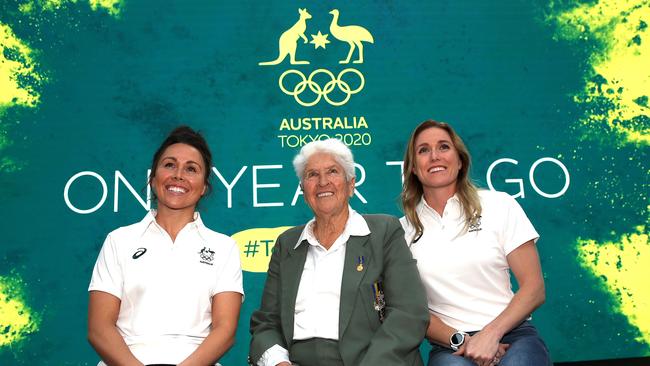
[482, 350]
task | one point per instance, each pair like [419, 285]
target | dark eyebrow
[174, 159]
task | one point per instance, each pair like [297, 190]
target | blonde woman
[466, 242]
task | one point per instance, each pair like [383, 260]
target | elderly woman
[167, 290]
[342, 289]
[465, 241]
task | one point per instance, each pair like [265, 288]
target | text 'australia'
[323, 123]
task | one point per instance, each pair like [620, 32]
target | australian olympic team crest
[206, 256]
[321, 84]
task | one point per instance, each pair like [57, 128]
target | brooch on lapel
[360, 261]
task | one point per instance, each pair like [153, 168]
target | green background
[117, 84]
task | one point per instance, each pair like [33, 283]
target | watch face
[457, 339]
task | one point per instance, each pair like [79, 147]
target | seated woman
[342, 289]
[167, 290]
[465, 241]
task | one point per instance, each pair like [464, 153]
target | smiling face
[179, 180]
[324, 185]
[437, 162]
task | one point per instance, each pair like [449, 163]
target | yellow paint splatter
[624, 269]
[616, 34]
[113, 7]
[19, 85]
[16, 65]
[17, 320]
[620, 85]
[50, 5]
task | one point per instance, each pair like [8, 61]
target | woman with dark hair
[167, 290]
[466, 241]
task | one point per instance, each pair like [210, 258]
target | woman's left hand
[483, 348]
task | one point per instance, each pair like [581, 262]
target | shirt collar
[355, 226]
[453, 203]
[149, 223]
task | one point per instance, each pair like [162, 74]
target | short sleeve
[230, 277]
[107, 274]
[517, 228]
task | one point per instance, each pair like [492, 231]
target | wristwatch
[457, 339]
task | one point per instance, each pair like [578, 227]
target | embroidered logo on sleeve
[207, 256]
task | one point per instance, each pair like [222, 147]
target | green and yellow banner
[550, 96]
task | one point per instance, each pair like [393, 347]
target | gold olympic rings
[325, 90]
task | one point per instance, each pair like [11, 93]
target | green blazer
[363, 339]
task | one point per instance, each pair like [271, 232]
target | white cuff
[274, 356]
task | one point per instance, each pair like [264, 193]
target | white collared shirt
[316, 313]
[166, 287]
[466, 274]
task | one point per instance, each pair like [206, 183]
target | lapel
[355, 248]
[291, 271]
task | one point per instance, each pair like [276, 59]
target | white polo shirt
[166, 287]
[467, 277]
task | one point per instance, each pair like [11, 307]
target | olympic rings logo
[323, 92]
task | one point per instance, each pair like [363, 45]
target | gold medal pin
[360, 262]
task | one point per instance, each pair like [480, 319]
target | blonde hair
[412, 190]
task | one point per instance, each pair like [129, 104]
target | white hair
[334, 147]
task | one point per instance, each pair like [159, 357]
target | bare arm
[225, 315]
[438, 332]
[524, 262]
[103, 310]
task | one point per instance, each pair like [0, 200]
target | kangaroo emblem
[289, 41]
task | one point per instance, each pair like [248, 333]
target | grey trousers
[316, 352]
